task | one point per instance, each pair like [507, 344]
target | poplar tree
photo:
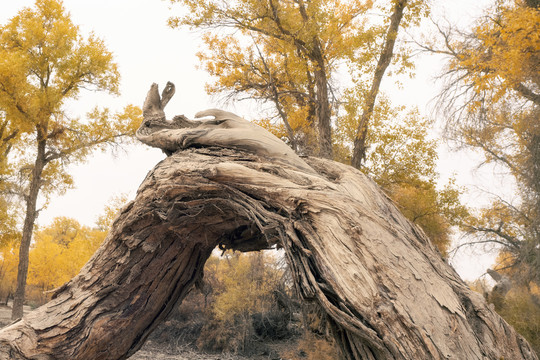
[44, 62]
[291, 54]
[492, 105]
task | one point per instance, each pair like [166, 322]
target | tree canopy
[46, 61]
[492, 103]
[292, 53]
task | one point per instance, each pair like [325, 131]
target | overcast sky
[148, 51]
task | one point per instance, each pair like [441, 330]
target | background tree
[45, 62]
[517, 303]
[289, 53]
[58, 252]
[9, 135]
[105, 220]
[242, 296]
[383, 61]
[492, 103]
[522, 310]
[247, 305]
[8, 270]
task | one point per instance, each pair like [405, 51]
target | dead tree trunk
[387, 292]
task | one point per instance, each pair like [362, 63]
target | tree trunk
[28, 228]
[324, 112]
[360, 144]
[387, 292]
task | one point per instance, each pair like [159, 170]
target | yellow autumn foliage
[246, 284]
[289, 54]
[242, 286]
[402, 159]
[58, 253]
[8, 270]
[522, 310]
[44, 62]
[510, 39]
[493, 107]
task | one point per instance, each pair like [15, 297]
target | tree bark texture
[387, 292]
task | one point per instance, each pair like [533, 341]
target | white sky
[148, 51]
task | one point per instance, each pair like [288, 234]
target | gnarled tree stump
[387, 292]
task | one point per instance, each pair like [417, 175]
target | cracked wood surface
[225, 130]
[386, 290]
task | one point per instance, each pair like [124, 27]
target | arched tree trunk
[387, 292]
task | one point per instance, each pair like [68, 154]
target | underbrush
[246, 305]
[271, 335]
[312, 347]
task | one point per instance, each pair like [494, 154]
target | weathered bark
[387, 292]
[225, 130]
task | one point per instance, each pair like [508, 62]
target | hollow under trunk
[386, 290]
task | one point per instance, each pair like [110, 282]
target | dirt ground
[152, 352]
[5, 314]
[149, 352]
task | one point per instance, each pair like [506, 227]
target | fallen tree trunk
[387, 292]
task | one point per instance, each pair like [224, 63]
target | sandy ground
[151, 351]
[148, 352]
[5, 314]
